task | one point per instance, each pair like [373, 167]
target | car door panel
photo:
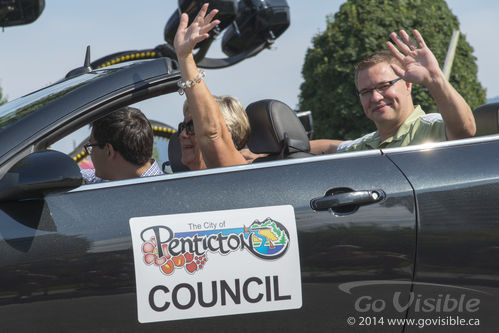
[81, 273]
[458, 233]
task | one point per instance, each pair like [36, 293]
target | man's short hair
[374, 59]
[129, 132]
[235, 118]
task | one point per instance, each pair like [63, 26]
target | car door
[68, 264]
[457, 188]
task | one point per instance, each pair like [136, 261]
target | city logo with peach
[189, 250]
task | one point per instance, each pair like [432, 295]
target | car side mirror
[38, 174]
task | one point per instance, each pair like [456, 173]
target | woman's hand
[187, 37]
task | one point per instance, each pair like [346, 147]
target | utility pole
[451, 51]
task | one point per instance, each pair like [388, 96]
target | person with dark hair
[121, 145]
[384, 82]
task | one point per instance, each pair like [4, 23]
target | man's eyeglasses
[89, 146]
[380, 88]
[188, 126]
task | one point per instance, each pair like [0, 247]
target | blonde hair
[235, 118]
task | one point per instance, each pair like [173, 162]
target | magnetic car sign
[216, 263]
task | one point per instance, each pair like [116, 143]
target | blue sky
[35, 55]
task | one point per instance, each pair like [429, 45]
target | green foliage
[155, 153]
[2, 99]
[360, 28]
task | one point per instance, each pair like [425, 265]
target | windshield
[21, 107]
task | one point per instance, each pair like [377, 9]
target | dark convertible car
[388, 240]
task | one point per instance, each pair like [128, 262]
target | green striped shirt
[418, 128]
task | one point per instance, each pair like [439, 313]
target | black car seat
[175, 154]
[487, 119]
[277, 131]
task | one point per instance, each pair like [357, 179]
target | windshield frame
[21, 107]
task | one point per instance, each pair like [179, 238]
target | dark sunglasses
[89, 146]
[189, 127]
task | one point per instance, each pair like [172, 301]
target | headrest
[275, 128]
[175, 154]
[487, 119]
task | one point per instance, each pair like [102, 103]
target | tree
[360, 28]
[2, 99]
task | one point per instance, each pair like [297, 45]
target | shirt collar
[153, 170]
[404, 128]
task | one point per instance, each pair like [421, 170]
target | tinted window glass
[19, 108]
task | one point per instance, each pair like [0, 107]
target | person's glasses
[188, 126]
[380, 88]
[89, 146]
